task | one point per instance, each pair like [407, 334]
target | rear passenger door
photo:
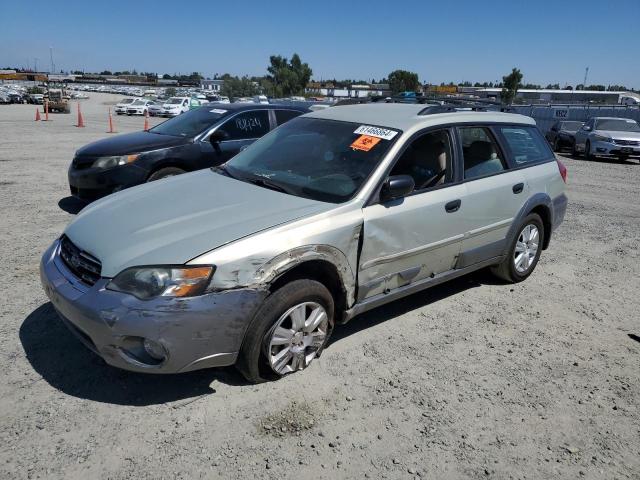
[283, 116]
[494, 195]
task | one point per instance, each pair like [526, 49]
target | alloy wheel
[526, 248]
[297, 336]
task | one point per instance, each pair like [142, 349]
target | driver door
[411, 238]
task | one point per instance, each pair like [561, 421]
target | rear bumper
[90, 183]
[195, 333]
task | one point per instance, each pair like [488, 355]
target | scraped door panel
[409, 239]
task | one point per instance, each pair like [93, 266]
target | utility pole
[53, 69]
[586, 73]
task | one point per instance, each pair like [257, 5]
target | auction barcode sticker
[383, 133]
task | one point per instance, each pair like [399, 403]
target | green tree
[510, 85]
[403, 81]
[238, 87]
[288, 77]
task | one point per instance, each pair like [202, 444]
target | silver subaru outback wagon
[255, 262]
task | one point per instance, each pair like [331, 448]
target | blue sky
[550, 41]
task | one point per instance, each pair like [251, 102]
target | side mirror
[396, 186]
[586, 128]
[218, 136]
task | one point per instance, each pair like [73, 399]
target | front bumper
[170, 113]
[91, 183]
[195, 333]
[610, 148]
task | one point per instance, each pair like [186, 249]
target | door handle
[453, 206]
[518, 188]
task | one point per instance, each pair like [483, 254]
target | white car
[175, 106]
[140, 106]
[121, 107]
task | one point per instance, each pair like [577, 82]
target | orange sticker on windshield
[365, 143]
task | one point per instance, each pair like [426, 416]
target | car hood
[130, 143]
[174, 220]
[618, 135]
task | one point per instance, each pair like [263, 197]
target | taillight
[563, 170]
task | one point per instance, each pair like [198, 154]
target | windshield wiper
[222, 169]
[263, 182]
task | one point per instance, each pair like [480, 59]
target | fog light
[154, 349]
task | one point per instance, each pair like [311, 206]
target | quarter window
[526, 145]
[481, 153]
[251, 124]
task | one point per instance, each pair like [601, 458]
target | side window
[481, 153]
[283, 116]
[427, 160]
[526, 145]
[251, 124]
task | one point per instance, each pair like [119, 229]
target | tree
[510, 85]
[238, 87]
[403, 81]
[288, 77]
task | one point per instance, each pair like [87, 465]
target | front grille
[631, 143]
[81, 264]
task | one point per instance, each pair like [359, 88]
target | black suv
[201, 138]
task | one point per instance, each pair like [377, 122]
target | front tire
[164, 173]
[288, 332]
[587, 151]
[524, 251]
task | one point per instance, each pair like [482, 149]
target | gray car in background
[608, 136]
[334, 213]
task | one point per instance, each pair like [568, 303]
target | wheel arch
[541, 205]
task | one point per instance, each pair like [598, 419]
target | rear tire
[164, 173]
[521, 258]
[260, 349]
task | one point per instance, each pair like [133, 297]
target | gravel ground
[472, 379]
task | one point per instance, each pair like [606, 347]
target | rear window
[526, 145]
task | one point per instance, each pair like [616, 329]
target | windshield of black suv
[618, 125]
[191, 123]
[572, 126]
[325, 160]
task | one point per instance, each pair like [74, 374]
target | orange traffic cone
[146, 121]
[37, 114]
[111, 130]
[80, 119]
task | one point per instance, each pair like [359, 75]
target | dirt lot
[473, 379]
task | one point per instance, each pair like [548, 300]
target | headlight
[602, 138]
[110, 162]
[149, 282]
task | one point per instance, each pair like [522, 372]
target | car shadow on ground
[70, 367]
[67, 365]
[71, 204]
[412, 302]
[629, 161]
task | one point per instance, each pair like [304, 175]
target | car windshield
[191, 123]
[618, 125]
[127, 101]
[139, 102]
[571, 126]
[174, 101]
[325, 160]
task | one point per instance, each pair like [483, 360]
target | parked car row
[255, 261]
[598, 136]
